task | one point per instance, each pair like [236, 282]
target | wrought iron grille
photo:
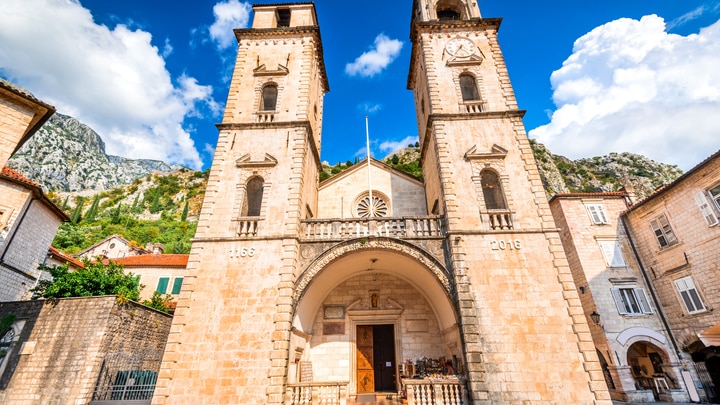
[127, 378]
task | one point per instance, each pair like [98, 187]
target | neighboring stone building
[639, 357]
[28, 223]
[112, 247]
[74, 350]
[158, 272]
[21, 115]
[676, 232]
[294, 286]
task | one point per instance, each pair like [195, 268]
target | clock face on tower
[460, 47]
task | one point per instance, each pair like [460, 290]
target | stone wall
[694, 255]
[14, 120]
[61, 345]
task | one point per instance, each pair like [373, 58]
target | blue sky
[151, 77]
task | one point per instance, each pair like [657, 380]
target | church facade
[459, 279]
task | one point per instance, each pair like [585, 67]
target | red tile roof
[13, 175]
[173, 260]
[62, 256]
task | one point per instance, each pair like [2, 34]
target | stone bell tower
[525, 334]
[230, 335]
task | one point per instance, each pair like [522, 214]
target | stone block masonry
[60, 345]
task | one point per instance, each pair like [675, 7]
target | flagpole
[371, 206]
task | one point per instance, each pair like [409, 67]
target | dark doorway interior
[384, 354]
[713, 368]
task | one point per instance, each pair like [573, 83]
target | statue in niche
[374, 300]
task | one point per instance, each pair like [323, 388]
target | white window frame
[612, 252]
[597, 214]
[631, 301]
[706, 208]
[663, 232]
[689, 295]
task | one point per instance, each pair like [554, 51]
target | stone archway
[371, 283]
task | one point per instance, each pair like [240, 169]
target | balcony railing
[499, 219]
[474, 106]
[248, 226]
[403, 228]
[265, 116]
[317, 393]
[436, 392]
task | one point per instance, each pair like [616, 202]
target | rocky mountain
[602, 173]
[67, 155]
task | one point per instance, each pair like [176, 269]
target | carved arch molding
[358, 245]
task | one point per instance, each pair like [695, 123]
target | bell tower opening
[449, 10]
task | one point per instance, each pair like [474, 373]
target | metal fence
[127, 378]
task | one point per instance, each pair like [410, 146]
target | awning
[711, 337]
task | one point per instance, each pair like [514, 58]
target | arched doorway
[650, 367]
[371, 312]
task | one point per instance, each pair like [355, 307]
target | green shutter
[163, 285]
[177, 284]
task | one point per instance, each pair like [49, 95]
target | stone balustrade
[351, 228]
[475, 106]
[499, 219]
[436, 392]
[317, 393]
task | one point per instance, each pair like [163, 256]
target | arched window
[448, 10]
[492, 191]
[269, 98]
[253, 197]
[468, 87]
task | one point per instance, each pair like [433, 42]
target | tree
[184, 215]
[94, 279]
[115, 218]
[159, 301]
[93, 210]
[395, 159]
[77, 214]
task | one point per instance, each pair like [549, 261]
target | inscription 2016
[505, 245]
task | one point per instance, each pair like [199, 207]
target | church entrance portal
[376, 358]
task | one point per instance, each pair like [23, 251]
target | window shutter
[613, 254]
[705, 208]
[655, 225]
[619, 302]
[643, 300]
[608, 250]
[163, 285]
[597, 214]
[667, 230]
[689, 294]
[177, 285]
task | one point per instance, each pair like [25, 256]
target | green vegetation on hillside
[160, 208]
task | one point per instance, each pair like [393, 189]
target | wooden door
[365, 359]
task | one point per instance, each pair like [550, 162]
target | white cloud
[392, 146]
[228, 16]
[374, 61]
[631, 86]
[711, 6]
[370, 108]
[114, 80]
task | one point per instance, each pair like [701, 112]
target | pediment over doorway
[362, 309]
[246, 161]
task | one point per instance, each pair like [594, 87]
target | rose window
[378, 208]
